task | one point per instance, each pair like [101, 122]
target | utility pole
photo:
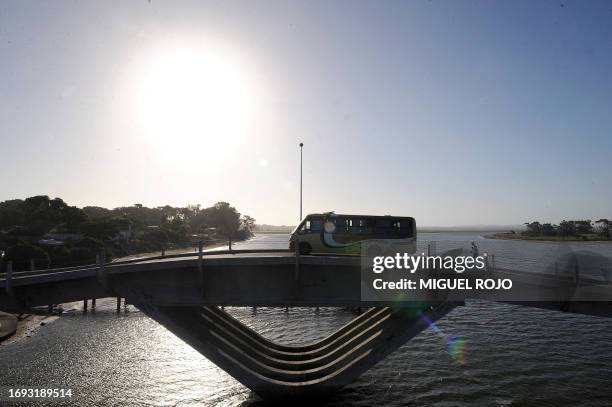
[301, 149]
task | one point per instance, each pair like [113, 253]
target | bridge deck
[241, 278]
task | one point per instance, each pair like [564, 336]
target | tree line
[52, 233]
[567, 228]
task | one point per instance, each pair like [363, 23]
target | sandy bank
[25, 326]
[8, 325]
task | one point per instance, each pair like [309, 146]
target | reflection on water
[513, 355]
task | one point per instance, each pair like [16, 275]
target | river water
[513, 355]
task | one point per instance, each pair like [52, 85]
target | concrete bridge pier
[276, 371]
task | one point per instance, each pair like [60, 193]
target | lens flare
[455, 345]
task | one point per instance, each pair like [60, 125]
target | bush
[60, 256]
[91, 243]
[156, 238]
[20, 255]
[82, 255]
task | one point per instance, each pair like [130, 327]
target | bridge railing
[501, 255]
[144, 259]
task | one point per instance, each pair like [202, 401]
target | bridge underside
[277, 371]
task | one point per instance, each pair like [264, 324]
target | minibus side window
[305, 228]
[341, 225]
[357, 226]
[316, 225]
[311, 226]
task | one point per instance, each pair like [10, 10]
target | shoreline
[8, 325]
[26, 326]
[142, 255]
[554, 239]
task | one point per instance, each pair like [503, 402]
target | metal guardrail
[496, 261]
[144, 259]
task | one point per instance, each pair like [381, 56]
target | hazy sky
[454, 112]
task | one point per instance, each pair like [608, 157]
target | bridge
[185, 293]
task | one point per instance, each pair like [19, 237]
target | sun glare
[193, 104]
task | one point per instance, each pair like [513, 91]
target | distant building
[50, 242]
[125, 234]
[64, 237]
[61, 234]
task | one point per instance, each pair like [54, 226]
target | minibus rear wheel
[305, 248]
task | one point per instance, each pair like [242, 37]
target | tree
[247, 223]
[60, 256]
[533, 229]
[548, 230]
[30, 219]
[12, 213]
[82, 255]
[604, 227]
[73, 217]
[97, 212]
[566, 228]
[156, 238]
[140, 215]
[42, 214]
[583, 227]
[105, 229]
[224, 218]
[22, 253]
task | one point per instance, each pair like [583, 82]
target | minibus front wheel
[305, 248]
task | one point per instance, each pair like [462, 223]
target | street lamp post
[301, 148]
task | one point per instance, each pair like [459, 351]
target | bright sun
[193, 104]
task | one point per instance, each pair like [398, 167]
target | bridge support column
[277, 371]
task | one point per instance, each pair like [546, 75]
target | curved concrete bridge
[276, 371]
[184, 292]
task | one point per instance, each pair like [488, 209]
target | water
[532, 256]
[514, 356]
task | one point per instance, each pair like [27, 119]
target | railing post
[201, 267]
[102, 276]
[8, 285]
[32, 265]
